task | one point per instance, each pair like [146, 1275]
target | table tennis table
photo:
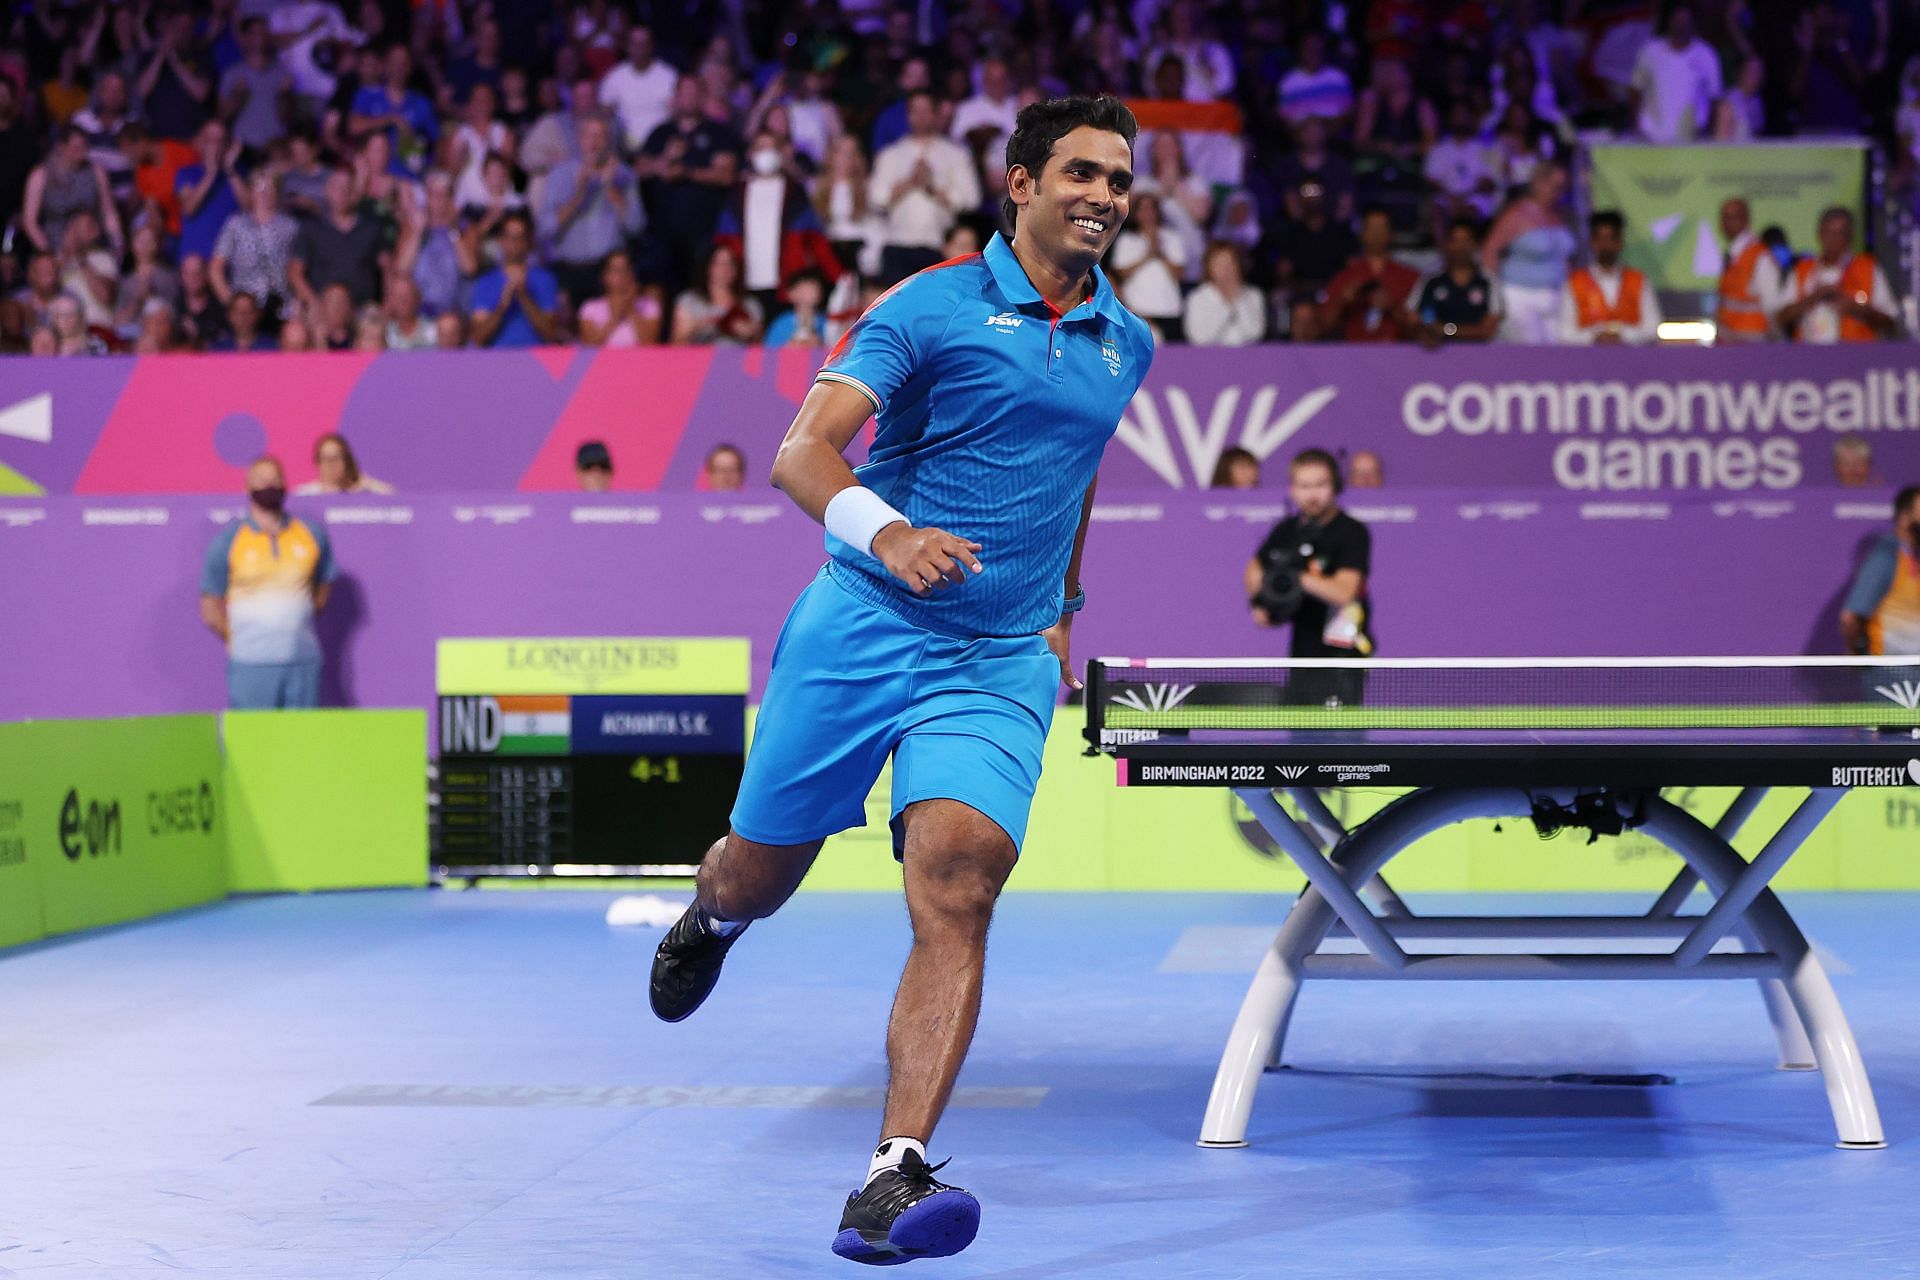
[1579, 744]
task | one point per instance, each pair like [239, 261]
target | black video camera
[1280, 592]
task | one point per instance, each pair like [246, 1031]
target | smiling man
[937, 632]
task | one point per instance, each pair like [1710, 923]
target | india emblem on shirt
[1110, 352]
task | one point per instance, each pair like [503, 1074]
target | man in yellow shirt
[266, 577]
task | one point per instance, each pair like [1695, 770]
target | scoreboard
[585, 757]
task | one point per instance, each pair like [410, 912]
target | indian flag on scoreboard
[535, 724]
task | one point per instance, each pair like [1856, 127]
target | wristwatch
[1075, 602]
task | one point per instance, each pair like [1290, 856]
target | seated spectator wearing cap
[593, 467]
[517, 303]
[1607, 303]
[1837, 295]
[1749, 288]
[338, 471]
[1459, 304]
[725, 469]
[1367, 301]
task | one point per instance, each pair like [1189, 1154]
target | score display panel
[611, 782]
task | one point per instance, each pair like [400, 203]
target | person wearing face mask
[773, 229]
[265, 579]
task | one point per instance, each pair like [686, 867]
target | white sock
[891, 1152]
[720, 928]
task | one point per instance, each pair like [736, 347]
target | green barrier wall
[326, 800]
[113, 819]
[1088, 834]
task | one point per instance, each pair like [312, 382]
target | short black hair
[1469, 225]
[1904, 499]
[1608, 218]
[1042, 124]
[1836, 211]
[1317, 457]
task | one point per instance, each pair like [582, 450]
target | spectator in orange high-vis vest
[1839, 295]
[1749, 291]
[1607, 303]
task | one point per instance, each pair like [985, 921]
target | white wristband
[856, 514]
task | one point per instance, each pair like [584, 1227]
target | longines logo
[592, 662]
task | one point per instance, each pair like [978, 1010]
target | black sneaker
[904, 1214]
[686, 966]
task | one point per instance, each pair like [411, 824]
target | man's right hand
[925, 559]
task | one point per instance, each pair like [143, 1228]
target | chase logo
[1005, 320]
[1110, 352]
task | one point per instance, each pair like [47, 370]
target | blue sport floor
[426, 1085]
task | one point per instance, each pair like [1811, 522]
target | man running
[938, 629]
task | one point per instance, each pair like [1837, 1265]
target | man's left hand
[1060, 640]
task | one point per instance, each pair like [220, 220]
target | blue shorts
[266, 686]
[963, 719]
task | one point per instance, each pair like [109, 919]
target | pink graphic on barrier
[635, 400]
[191, 423]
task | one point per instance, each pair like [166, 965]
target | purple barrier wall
[98, 613]
[1741, 420]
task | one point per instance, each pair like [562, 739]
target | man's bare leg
[741, 880]
[956, 861]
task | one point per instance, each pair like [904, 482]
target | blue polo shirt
[992, 413]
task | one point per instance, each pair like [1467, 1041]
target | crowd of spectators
[240, 175]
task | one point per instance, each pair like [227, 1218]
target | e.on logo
[92, 829]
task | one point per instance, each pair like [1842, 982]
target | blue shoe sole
[941, 1225]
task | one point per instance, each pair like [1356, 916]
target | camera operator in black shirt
[1311, 572]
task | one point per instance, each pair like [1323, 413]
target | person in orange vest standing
[1840, 295]
[1607, 303]
[1749, 291]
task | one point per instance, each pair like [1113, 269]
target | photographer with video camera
[1311, 573]
[1882, 610]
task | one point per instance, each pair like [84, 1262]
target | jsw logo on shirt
[1005, 320]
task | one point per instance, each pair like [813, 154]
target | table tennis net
[1171, 694]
